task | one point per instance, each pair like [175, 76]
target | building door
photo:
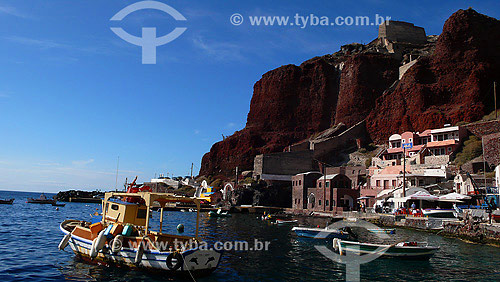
[311, 199]
[348, 201]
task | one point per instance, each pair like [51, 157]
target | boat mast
[116, 180]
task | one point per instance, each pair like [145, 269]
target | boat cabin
[124, 212]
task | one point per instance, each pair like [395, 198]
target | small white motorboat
[408, 250]
[320, 233]
[283, 221]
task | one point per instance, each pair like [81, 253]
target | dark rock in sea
[64, 196]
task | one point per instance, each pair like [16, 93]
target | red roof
[424, 133]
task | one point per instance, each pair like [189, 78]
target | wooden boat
[380, 230]
[58, 205]
[439, 213]
[41, 200]
[6, 202]
[408, 250]
[320, 233]
[123, 237]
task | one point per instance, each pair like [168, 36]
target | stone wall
[480, 233]
[405, 67]
[437, 160]
[490, 132]
[345, 140]
[484, 128]
[397, 31]
[284, 163]
[492, 149]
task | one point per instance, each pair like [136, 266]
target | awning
[420, 195]
[453, 197]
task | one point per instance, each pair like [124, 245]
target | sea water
[29, 235]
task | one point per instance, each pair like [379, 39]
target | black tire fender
[178, 264]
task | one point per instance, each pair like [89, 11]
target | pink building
[431, 142]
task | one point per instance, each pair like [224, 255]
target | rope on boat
[189, 271]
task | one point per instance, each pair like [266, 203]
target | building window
[378, 183]
[300, 182]
[320, 185]
[327, 184]
[327, 202]
[319, 202]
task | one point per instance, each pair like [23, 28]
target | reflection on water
[29, 235]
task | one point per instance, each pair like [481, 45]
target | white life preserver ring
[117, 243]
[139, 253]
[64, 242]
[101, 241]
[339, 244]
[93, 251]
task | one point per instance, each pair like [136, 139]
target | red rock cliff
[451, 85]
[288, 104]
[291, 103]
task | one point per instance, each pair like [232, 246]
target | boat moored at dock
[408, 250]
[123, 237]
[320, 233]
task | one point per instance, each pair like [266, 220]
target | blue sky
[74, 96]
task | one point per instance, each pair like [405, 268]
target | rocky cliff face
[364, 78]
[451, 85]
[292, 103]
[289, 104]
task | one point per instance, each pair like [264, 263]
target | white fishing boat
[320, 233]
[284, 221]
[123, 237]
[408, 250]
